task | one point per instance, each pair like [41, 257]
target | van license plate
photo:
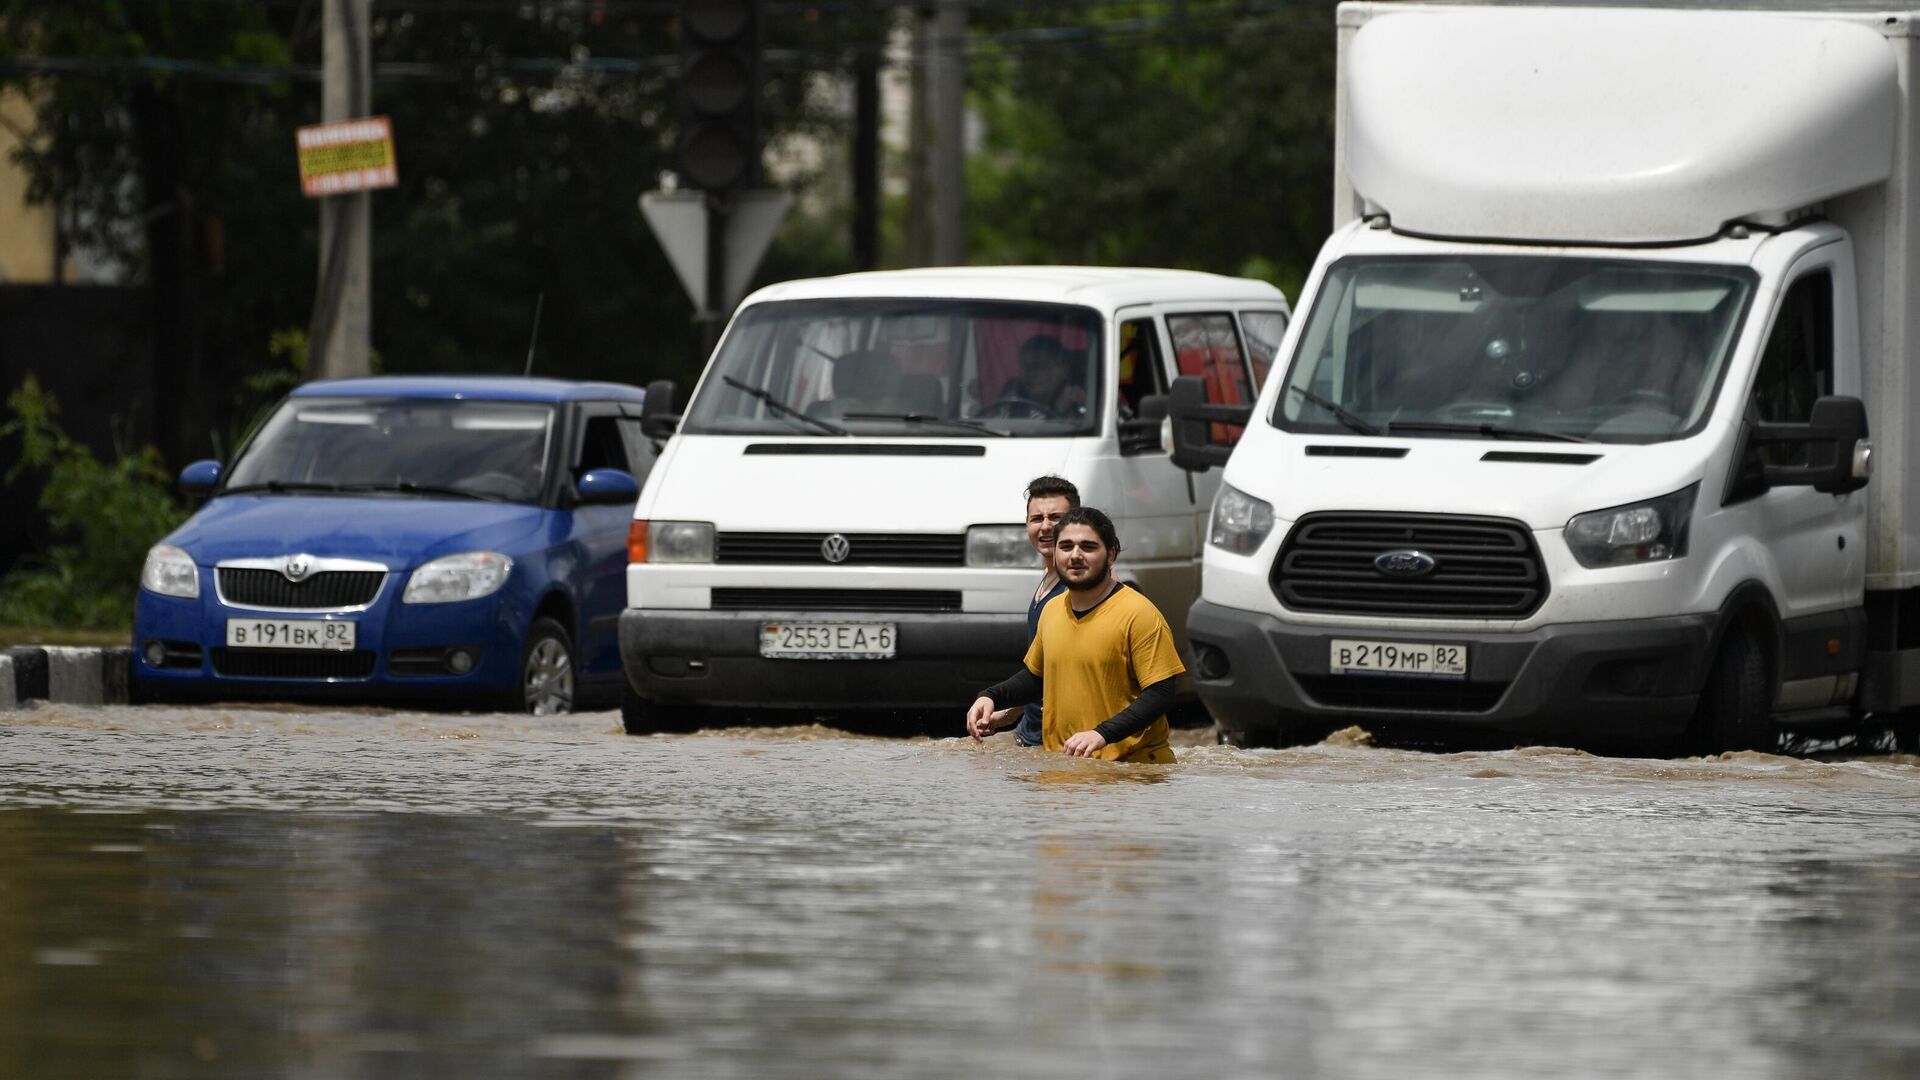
[827, 641]
[1398, 658]
[330, 634]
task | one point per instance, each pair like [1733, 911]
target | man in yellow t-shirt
[1103, 653]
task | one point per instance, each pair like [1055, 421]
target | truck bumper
[941, 661]
[1628, 680]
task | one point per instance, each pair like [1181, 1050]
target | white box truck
[836, 524]
[1571, 436]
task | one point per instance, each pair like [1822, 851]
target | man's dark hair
[1097, 520]
[1050, 486]
[1045, 345]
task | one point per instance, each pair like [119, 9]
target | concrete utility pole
[919, 133]
[340, 336]
[948, 60]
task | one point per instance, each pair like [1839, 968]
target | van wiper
[782, 407]
[1491, 431]
[923, 418]
[1352, 422]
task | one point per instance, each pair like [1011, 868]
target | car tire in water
[642, 717]
[1734, 703]
[546, 683]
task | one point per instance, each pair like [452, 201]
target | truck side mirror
[1837, 458]
[1141, 433]
[658, 418]
[1193, 417]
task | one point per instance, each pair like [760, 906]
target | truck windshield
[1514, 346]
[495, 450]
[930, 369]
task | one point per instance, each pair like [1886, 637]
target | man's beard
[1091, 583]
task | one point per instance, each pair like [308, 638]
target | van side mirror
[1837, 457]
[1141, 433]
[1193, 418]
[200, 478]
[658, 416]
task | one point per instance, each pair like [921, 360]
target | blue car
[408, 539]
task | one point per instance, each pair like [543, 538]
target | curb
[63, 674]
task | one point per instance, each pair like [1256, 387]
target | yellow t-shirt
[1094, 665]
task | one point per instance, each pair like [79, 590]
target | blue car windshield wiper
[411, 488]
[279, 487]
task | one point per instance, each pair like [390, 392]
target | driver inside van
[1046, 379]
[864, 380]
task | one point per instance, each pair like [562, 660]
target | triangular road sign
[679, 221]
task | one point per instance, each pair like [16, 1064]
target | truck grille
[1483, 568]
[863, 549]
[327, 590]
[836, 600]
[292, 663]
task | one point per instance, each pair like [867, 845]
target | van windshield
[1514, 346]
[925, 368]
[494, 450]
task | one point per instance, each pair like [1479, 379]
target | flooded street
[226, 891]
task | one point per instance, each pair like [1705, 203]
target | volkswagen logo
[298, 566]
[1404, 563]
[835, 548]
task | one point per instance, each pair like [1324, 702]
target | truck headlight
[469, 575]
[1240, 522]
[1643, 532]
[679, 541]
[169, 571]
[1000, 545]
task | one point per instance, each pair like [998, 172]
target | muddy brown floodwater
[251, 892]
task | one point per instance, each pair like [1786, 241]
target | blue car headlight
[469, 575]
[169, 571]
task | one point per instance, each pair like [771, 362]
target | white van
[836, 523]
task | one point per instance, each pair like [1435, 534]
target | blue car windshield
[438, 448]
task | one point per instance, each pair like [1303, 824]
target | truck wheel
[1735, 701]
[642, 717]
[546, 671]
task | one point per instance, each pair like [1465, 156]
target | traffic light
[718, 147]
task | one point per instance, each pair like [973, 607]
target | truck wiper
[1352, 422]
[1491, 431]
[923, 418]
[782, 407]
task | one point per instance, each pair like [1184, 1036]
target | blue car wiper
[279, 487]
[411, 488]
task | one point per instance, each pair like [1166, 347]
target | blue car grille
[327, 590]
[292, 663]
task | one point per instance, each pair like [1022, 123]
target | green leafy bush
[105, 516]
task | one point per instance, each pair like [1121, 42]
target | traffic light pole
[712, 317]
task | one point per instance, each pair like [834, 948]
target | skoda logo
[298, 566]
[1404, 563]
[835, 548]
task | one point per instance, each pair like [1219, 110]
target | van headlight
[169, 571]
[1643, 532]
[1001, 546]
[1240, 522]
[469, 575]
[680, 541]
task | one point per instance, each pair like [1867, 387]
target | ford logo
[835, 548]
[1404, 563]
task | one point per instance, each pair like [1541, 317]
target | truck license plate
[330, 634]
[1398, 658]
[827, 641]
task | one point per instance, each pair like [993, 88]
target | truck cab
[836, 524]
[1571, 439]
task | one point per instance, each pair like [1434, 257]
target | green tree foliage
[1196, 135]
[105, 514]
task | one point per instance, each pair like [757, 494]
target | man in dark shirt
[1049, 498]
